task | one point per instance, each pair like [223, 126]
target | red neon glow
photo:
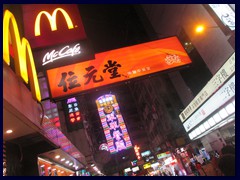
[71, 115]
[72, 120]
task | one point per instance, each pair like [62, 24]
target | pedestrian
[214, 163]
[200, 168]
[176, 172]
[227, 164]
[216, 154]
[228, 149]
[164, 174]
[194, 169]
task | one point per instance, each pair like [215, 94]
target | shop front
[27, 132]
[210, 117]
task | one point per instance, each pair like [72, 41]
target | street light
[200, 28]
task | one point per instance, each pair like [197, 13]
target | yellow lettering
[23, 57]
[52, 20]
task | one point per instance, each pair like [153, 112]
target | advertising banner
[117, 65]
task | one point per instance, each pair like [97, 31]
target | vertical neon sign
[136, 149]
[113, 124]
[73, 110]
[73, 114]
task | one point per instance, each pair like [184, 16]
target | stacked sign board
[61, 49]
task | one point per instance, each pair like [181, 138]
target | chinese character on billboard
[116, 66]
[113, 124]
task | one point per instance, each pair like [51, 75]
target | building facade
[209, 51]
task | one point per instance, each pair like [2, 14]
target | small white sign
[61, 53]
[225, 14]
[215, 82]
[225, 93]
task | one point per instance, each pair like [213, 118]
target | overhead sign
[147, 165]
[113, 124]
[164, 155]
[62, 55]
[215, 82]
[52, 24]
[135, 169]
[22, 53]
[225, 13]
[116, 66]
[146, 153]
[224, 94]
[136, 149]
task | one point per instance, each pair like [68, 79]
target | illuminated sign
[52, 24]
[58, 54]
[225, 13]
[52, 20]
[73, 110]
[103, 147]
[23, 58]
[62, 55]
[164, 155]
[72, 114]
[116, 66]
[113, 124]
[136, 149]
[215, 82]
[146, 166]
[127, 169]
[170, 160]
[145, 153]
[154, 165]
[134, 163]
[224, 94]
[135, 169]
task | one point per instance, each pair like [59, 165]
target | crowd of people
[223, 162]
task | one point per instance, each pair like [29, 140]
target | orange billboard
[117, 65]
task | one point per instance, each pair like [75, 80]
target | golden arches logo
[52, 20]
[23, 57]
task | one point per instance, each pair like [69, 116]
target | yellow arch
[52, 20]
[23, 57]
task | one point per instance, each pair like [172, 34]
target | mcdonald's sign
[52, 20]
[52, 24]
[23, 57]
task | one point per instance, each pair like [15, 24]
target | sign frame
[127, 79]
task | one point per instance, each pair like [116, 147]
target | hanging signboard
[116, 66]
[210, 88]
[113, 124]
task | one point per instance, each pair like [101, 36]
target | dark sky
[111, 26]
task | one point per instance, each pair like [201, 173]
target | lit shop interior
[59, 163]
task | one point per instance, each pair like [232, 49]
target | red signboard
[52, 24]
[116, 66]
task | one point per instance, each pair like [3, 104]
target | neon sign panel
[113, 124]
